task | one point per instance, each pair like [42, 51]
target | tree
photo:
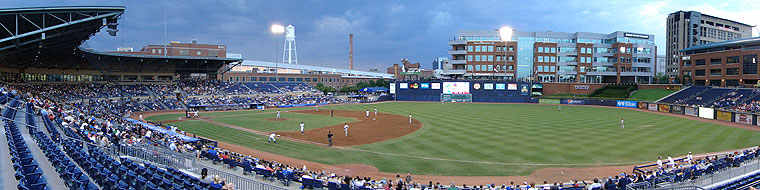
[661, 78]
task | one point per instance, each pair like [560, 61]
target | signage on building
[476, 86]
[393, 88]
[634, 35]
[410, 73]
[686, 57]
[582, 87]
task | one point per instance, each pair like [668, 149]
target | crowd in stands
[163, 89]
[200, 87]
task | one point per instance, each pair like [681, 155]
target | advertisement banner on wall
[652, 107]
[573, 101]
[524, 89]
[723, 115]
[500, 86]
[435, 86]
[664, 108]
[743, 118]
[424, 85]
[708, 113]
[414, 85]
[456, 87]
[643, 105]
[403, 85]
[511, 86]
[548, 101]
[488, 86]
[627, 104]
[393, 88]
[676, 109]
[690, 111]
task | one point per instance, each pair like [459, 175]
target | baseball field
[471, 139]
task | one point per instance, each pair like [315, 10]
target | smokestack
[351, 52]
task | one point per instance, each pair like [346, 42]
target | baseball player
[671, 162]
[271, 138]
[331, 112]
[140, 117]
[659, 162]
[622, 123]
[688, 158]
[329, 138]
[559, 108]
[410, 118]
[375, 112]
[301, 127]
[278, 114]
[317, 107]
[345, 129]
[367, 113]
[195, 113]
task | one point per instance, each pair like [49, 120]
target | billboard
[627, 104]
[393, 88]
[403, 85]
[511, 86]
[743, 118]
[676, 109]
[424, 85]
[500, 86]
[548, 101]
[524, 90]
[456, 87]
[572, 101]
[690, 111]
[723, 115]
[643, 105]
[537, 86]
[435, 86]
[653, 107]
[706, 113]
[664, 108]
[414, 85]
[488, 86]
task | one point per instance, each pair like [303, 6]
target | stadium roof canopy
[724, 45]
[122, 62]
[344, 72]
[48, 37]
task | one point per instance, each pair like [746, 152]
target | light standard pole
[506, 34]
[276, 29]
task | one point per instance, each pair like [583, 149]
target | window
[213, 54]
[715, 61]
[583, 50]
[553, 59]
[153, 50]
[714, 82]
[198, 52]
[732, 60]
[732, 71]
[469, 67]
[477, 48]
[490, 67]
[184, 52]
[511, 67]
[262, 78]
[733, 82]
[253, 78]
[477, 67]
[477, 58]
[490, 57]
[540, 58]
[230, 79]
[469, 48]
[553, 50]
[749, 64]
[314, 79]
[715, 72]
[490, 48]
[511, 48]
[700, 72]
[699, 62]
[686, 63]
[281, 79]
[540, 49]
[159, 50]
[299, 79]
[469, 57]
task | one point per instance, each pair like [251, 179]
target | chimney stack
[351, 52]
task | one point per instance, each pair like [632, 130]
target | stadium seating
[28, 172]
[684, 94]
[262, 88]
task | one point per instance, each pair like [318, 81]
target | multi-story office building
[553, 56]
[192, 49]
[690, 28]
[728, 63]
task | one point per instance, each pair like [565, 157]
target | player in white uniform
[659, 162]
[317, 107]
[671, 163]
[410, 118]
[301, 127]
[345, 129]
[622, 123]
[559, 108]
[271, 138]
[195, 113]
[367, 113]
[375, 112]
[688, 158]
[278, 114]
[140, 117]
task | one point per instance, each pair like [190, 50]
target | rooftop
[316, 68]
[739, 42]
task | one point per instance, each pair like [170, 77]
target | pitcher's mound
[276, 119]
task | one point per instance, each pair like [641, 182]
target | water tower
[290, 46]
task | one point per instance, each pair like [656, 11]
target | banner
[403, 85]
[627, 104]
[548, 101]
[488, 86]
[524, 90]
[676, 109]
[435, 86]
[500, 86]
[708, 113]
[743, 118]
[511, 86]
[652, 107]
[424, 85]
[393, 88]
[581, 87]
[723, 115]
[414, 85]
[456, 87]
[690, 111]
[664, 108]
[572, 101]
[643, 105]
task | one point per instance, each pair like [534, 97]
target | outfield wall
[481, 91]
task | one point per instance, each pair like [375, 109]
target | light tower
[290, 46]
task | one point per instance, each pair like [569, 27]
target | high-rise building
[553, 56]
[690, 28]
[438, 62]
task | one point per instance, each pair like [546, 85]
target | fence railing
[708, 180]
[159, 156]
[241, 182]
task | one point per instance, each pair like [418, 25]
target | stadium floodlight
[505, 33]
[277, 29]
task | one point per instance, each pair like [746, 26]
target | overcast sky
[384, 31]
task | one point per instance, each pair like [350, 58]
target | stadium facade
[728, 63]
[690, 28]
[581, 57]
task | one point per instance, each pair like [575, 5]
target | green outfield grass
[258, 121]
[651, 94]
[507, 139]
